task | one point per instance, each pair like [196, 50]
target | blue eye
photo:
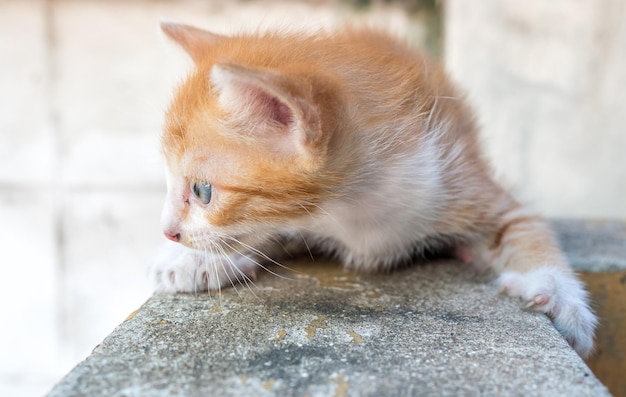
[202, 191]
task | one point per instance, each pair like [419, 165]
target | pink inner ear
[280, 112]
[270, 107]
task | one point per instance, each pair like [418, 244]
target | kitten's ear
[282, 105]
[196, 42]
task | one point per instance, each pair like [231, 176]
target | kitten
[349, 143]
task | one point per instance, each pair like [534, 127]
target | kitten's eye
[202, 191]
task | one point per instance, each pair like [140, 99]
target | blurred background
[83, 87]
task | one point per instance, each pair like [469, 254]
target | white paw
[561, 296]
[182, 269]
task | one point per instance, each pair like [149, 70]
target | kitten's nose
[174, 237]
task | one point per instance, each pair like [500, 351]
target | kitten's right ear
[284, 104]
[196, 42]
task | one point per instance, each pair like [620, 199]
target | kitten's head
[246, 141]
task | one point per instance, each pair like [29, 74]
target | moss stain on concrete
[318, 323]
[281, 335]
[356, 338]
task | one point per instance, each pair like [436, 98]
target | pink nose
[173, 237]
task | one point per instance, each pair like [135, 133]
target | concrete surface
[593, 245]
[429, 330]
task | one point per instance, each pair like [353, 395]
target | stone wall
[547, 80]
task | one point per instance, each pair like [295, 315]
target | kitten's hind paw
[561, 296]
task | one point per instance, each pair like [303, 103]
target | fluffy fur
[348, 143]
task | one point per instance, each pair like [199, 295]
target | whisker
[219, 285]
[232, 282]
[209, 268]
[223, 255]
[205, 260]
[278, 242]
[244, 277]
[305, 209]
[257, 262]
[306, 245]
[254, 250]
[323, 211]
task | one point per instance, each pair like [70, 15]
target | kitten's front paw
[182, 269]
[562, 297]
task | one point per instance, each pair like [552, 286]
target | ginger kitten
[348, 143]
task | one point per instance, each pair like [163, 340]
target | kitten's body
[348, 143]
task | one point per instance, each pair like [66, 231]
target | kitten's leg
[525, 254]
[182, 269]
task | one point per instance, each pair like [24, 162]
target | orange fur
[351, 139]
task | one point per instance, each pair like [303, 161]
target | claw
[541, 299]
[538, 301]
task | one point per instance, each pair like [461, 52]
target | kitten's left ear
[196, 42]
[284, 105]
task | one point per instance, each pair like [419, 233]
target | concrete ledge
[428, 330]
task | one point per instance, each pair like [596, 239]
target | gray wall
[548, 82]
